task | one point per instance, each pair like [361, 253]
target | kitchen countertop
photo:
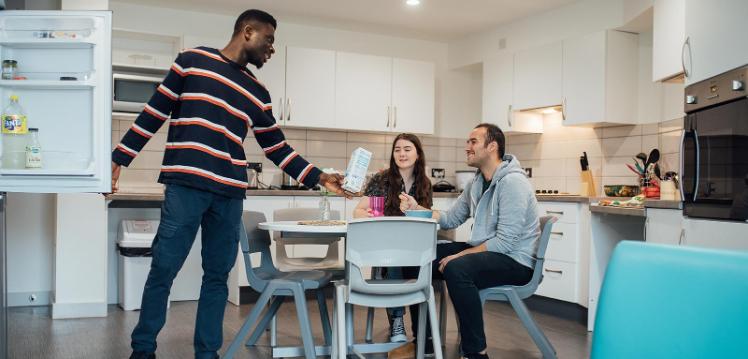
[658, 203]
[636, 212]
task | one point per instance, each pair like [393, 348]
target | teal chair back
[660, 301]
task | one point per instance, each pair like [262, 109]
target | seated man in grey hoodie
[503, 242]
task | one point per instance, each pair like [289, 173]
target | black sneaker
[476, 356]
[142, 355]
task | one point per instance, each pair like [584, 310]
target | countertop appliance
[463, 179]
[714, 148]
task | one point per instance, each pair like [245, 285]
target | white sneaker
[397, 330]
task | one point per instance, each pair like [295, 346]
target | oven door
[714, 154]
[132, 92]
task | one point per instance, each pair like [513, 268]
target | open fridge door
[57, 64]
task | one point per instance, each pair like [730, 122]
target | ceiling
[440, 20]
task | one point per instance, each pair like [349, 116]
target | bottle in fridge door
[14, 134]
[68, 101]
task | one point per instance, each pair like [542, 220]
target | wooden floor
[33, 334]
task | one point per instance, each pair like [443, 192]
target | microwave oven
[132, 91]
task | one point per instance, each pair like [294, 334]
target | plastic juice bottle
[14, 134]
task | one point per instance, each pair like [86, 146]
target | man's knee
[457, 270]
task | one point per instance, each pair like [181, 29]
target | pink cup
[377, 206]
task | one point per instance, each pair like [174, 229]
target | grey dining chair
[274, 285]
[386, 242]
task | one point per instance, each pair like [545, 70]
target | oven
[714, 148]
[132, 91]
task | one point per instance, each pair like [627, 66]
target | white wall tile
[622, 146]
[649, 142]
[294, 133]
[650, 129]
[622, 131]
[365, 137]
[326, 135]
[327, 149]
[670, 141]
[377, 150]
[672, 125]
[148, 160]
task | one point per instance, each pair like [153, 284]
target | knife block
[587, 186]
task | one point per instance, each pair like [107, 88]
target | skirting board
[23, 299]
[79, 310]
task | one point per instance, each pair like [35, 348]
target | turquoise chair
[660, 301]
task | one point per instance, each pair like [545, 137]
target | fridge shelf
[33, 172]
[47, 44]
[47, 84]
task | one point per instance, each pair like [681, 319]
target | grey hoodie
[506, 215]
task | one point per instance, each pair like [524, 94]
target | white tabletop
[294, 226]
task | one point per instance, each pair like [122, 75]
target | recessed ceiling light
[413, 2]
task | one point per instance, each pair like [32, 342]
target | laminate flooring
[34, 335]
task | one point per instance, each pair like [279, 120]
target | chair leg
[251, 319]
[532, 328]
[263, 325]
[340, 323]
[334, 344]
[443, 312]
[349, 333]
[304, 324]
[436, 337]
[421, 340]
[324, 317]
[370, 325]
[274, 332]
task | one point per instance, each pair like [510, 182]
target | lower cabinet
[664, 226]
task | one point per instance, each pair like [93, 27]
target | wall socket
[257, 166]
[528, 171]
[437, 172]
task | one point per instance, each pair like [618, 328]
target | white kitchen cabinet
[565, 272]
[376, 93]
[715, 34]
[664, 226]
[537, 77]
[413, 91]
[363, 89]
[669, 32]
[498, 82]
[714, 234]
[273, 75]
[143, 49]
[310, 88]
[600, 78]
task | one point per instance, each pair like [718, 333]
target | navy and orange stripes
[211, 103]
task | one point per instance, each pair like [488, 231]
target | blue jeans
[394, 273]
[183, 211]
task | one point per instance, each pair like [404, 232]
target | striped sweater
[210, 102]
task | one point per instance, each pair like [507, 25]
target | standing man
[211, 101]
[501, 249]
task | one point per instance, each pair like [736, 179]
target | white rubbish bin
[134, 246]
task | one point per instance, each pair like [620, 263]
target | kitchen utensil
[252, 178]
[654, 156]
[657, 171]
[289, 182]
[667, 190]
[463, 178]
[584, 161]
[634, 170]
[643, 157]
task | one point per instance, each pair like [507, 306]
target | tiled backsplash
[553, 155]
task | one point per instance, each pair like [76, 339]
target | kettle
[253, 172]
[289, 182]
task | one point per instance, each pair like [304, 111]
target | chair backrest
[546, 226]
[300, 214]
[390, 242]
[252, 239]
[664, 301]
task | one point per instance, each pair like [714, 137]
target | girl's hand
[369, 213]
[407, 202]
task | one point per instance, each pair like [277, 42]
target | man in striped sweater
[210, 100]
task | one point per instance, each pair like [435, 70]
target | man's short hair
[494, 134]
[256, 16]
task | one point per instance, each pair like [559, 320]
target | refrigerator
[62, 79]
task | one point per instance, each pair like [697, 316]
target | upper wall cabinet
[600, 78]
[715, 35]
[310, 88]
[498, 81]
[413, 92]
[669, 35]
[537, 77]
[375, 93]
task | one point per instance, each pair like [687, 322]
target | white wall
[209, 26]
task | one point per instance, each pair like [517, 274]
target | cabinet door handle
[563, 109]
[282, 112]
[558, 233]
[553, 271]
[560, 213]
[288, 109]
[509, 115]
[394, 116]
[682, 238]
[686, 42]
[388, 117]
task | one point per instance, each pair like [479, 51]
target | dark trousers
[183, 211]
[464, 277]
